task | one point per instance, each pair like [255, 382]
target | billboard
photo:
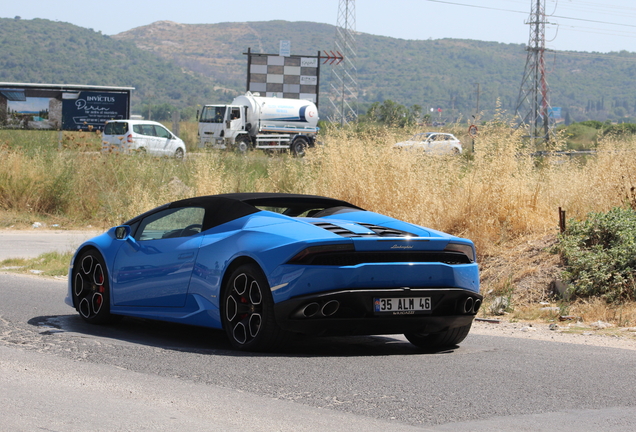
[555, 113]
[284, 76]
[61, 106]
[91, 110]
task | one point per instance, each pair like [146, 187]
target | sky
[574, 25]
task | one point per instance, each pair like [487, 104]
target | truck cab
[223, 126]
[254, 122]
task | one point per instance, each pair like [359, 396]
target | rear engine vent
[336, 229]
[387, 232]
[377, 231]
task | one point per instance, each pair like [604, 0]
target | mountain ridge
[187, 65]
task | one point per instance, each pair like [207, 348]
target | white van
[141, 135]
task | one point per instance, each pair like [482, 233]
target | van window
[145, 129]
[116, 128]
[162, 132]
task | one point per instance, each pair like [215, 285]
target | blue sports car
[264, 266]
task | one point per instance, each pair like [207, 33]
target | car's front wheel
[243, 144]
[248, 311]
[91, 290]
[447, 338]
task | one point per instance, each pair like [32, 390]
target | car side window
[171, 223]
[148, 130]
[137, 129]
[162, 132]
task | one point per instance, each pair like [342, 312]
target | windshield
[212, 114]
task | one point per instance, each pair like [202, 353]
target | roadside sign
[285, 48]
[472, 130]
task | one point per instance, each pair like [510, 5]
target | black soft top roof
[227, 207]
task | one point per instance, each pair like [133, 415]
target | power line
[476, 6]
[525, 13]
[533, 104]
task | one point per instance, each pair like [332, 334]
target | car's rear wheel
[447, 338]
[248, 311]
[299, 147]
[178, 154]
[91, 290]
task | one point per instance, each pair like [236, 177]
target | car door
[153, 268]
[165, 144]
[431, 143]
[151, 140]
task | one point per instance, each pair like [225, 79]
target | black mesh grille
[355, 258]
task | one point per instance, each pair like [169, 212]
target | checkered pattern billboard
[293, 77]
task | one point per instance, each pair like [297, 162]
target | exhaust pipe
[330, 308]
[468, 304]
[310, 310]
[476, 306]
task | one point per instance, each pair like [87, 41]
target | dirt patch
[524, 275]
[575, 333]
[524, 270]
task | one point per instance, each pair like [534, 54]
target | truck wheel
[299, 147]
[243, 144]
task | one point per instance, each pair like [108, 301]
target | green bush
[600, 255]
[579, 136]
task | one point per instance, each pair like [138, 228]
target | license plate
[402, 305]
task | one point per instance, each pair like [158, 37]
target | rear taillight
[463, 249]
[129, 138]
[307, 255]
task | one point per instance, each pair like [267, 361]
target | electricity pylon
[343, 91]
[533, 104]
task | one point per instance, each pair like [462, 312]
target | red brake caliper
[244, 301]
[101, 289]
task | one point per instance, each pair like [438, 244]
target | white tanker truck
[255, 122]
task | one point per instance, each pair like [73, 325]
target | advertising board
[61, 106]
[91, 110]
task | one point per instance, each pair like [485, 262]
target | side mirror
[122, 232]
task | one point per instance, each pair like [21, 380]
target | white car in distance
[432, 142]
[146, 136]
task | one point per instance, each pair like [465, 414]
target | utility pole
[533, 104]
[478, 92]
[344, 76]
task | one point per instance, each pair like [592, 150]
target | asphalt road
[58, 373]
[33, 242]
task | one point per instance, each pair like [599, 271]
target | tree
[390, 113]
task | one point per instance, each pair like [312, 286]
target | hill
[42, 51]
[446, 73]
[186, 65]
